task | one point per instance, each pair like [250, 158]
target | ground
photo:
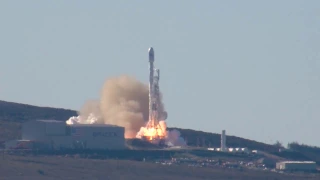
[14, 167]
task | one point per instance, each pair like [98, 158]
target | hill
[302, 151]
[13, 114]
[206, 139]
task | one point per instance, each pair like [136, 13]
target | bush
[40, 172]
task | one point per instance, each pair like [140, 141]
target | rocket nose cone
[151, 54]
[150, 50]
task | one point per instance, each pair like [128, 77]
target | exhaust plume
[89, 109]
[123, 102]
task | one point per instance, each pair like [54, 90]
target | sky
[249, 67]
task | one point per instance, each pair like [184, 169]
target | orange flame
[153, 133]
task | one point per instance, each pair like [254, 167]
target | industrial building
[296, 166]
[57, 135]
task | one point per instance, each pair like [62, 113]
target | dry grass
[53, 167]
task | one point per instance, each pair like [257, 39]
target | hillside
[13, 114]
[205, 139]
[307, 152]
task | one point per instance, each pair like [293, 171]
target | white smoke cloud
[91, 119]
[174, 139]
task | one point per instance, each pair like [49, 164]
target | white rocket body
[151, 76]
[155, 130]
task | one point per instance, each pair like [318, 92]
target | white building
[59, 135]
[296, 165]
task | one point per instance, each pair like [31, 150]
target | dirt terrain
[68, 168]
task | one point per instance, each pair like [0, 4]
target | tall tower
[223, 141]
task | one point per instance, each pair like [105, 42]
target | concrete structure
[223, 141]
[59, 135]
[296, 166]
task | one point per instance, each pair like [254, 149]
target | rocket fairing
[151, 54]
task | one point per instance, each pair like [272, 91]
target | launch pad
[157, 141]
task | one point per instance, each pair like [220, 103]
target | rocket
[155, 111]
[155, 129]
[151, 76]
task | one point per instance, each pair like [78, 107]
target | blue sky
[250, 67]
